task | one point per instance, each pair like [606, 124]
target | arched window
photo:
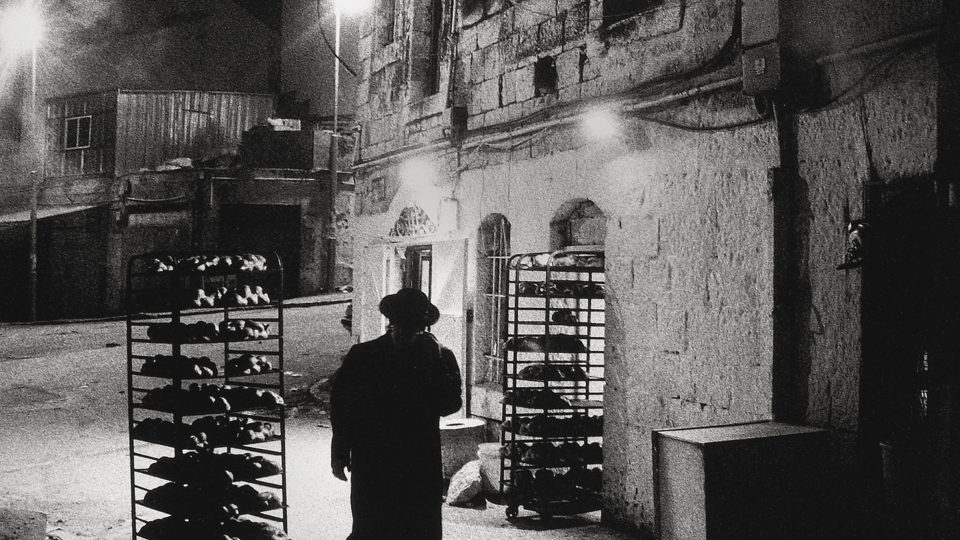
[493, 250]
[579, 222]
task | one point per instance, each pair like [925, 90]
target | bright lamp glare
[20, 28]
[601, 124]
[351, 7]
[418, 177]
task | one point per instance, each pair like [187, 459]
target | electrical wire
[326, 40]
[518, 144]
[155, 201]
[706, 128]
[885, 64]
[518, 4]
[471, 159]
[666, 84]
[724, 56]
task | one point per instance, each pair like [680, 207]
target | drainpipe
[764, 60]
[784, 189]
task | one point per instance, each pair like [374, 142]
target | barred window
[493, 251]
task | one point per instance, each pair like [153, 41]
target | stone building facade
[718, 149]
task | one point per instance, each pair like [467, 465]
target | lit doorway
[418, 268]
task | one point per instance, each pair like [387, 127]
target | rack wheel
[513, 512]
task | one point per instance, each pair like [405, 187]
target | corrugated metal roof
[43, 212]
[153, 127]
[140, 129]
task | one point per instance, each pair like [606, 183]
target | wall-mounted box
[756, 481]
[761, 69]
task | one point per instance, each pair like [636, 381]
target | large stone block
[576, 22]
[488, 33]
[508, 88]
[672, 329]
[568, 93]
[568, 68]
[494, 117]
[364, 47]
[492, 64]
[477, 68]
[550, 34]
[468, 41]
[489, 95]
[524, 83]
[528, 41]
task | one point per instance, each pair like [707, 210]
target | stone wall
[686, 192]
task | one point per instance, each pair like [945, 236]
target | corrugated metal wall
[97, 159]
[133, 130]
[153, 127]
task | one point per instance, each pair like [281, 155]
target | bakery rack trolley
[553, 379]
[211, 429]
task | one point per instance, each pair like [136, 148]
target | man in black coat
[386, 403]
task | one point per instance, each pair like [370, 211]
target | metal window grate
[495, 247]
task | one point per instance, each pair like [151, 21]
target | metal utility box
[746, 481]
[762, 72]
[308, 149]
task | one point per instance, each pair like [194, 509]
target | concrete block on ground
[459, 438]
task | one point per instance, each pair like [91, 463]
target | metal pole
[334, 156]
[34, 184]
[336, 74]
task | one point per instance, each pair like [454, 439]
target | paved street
[63, 448]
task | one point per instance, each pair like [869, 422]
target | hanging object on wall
[413, 221]
[856, 231]
[449, 215]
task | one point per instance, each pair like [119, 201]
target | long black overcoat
[386, 404]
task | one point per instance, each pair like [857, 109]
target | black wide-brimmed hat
[410, 307]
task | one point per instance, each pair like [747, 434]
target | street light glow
[351, 7]
[419, 177]
[601, 124]
[21, 28]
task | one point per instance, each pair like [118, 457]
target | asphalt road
[63, 412]
[64, 442]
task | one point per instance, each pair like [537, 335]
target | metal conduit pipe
[626, 107]
[638, 106]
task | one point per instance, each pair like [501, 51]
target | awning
[42, 212]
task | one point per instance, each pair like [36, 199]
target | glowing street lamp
[341, 8]
[601, 124]
[21, 29]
